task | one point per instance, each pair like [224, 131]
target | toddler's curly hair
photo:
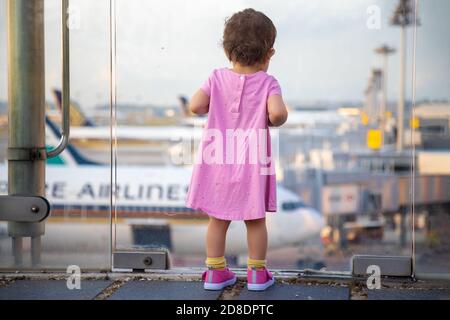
[248, 36]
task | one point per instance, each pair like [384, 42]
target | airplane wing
[169, 133]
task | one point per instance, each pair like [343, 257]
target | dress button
[242, 77]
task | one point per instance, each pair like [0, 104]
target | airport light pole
[371, 93]
[384, 51]
[377, 75]
[404, 16]
[369, 98]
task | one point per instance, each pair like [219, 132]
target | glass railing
[432, 147]
[78, 230]
[338, 187]
[350, 180]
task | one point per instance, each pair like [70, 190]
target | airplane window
[289, 206]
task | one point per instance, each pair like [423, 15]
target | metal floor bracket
[23, 208]
[139, 260]
[394, 266]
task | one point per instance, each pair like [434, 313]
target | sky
[324, 48]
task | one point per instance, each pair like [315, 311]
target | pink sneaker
[259, 279]
[218, 279]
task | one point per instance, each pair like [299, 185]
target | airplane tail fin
[77, 117]
[184, 105]
[70, 156]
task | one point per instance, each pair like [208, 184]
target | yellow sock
[216, 263]
[258, 264]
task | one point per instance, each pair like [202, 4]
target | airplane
[83, 128]
[148, 199]
[190, 126]
[162, 144]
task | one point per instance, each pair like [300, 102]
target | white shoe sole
[219, 286]
[260, 286]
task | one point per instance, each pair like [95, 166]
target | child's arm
[277, 110]
[199, 103]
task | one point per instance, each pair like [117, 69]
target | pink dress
[233, 175]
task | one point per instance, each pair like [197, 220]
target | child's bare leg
[257, 238]
[215, 237]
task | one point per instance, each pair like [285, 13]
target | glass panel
[78, 231]
[3, 124]
[345, 158]
[341, 192]
[343, 183]
[432, 140]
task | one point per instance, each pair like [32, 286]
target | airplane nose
[299, 225]
[313, 221]
[319, 221]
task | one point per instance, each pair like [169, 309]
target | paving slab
[297, 292]
[164, 290]
[51, 290]
[409, 294]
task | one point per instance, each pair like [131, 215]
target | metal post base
[20, 230]
[36, 247]
[394, 266]
[141, 260]
[17, 247]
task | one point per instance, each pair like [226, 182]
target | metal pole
[384, 99]
[385, 51]
[377, 78]
[403, 227]
[65, 128]
[373, 105]
[401, 98]
[26, 94]
[17, 245]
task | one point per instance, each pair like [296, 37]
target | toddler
[230, 181]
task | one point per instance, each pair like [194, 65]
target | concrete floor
[187, 286]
